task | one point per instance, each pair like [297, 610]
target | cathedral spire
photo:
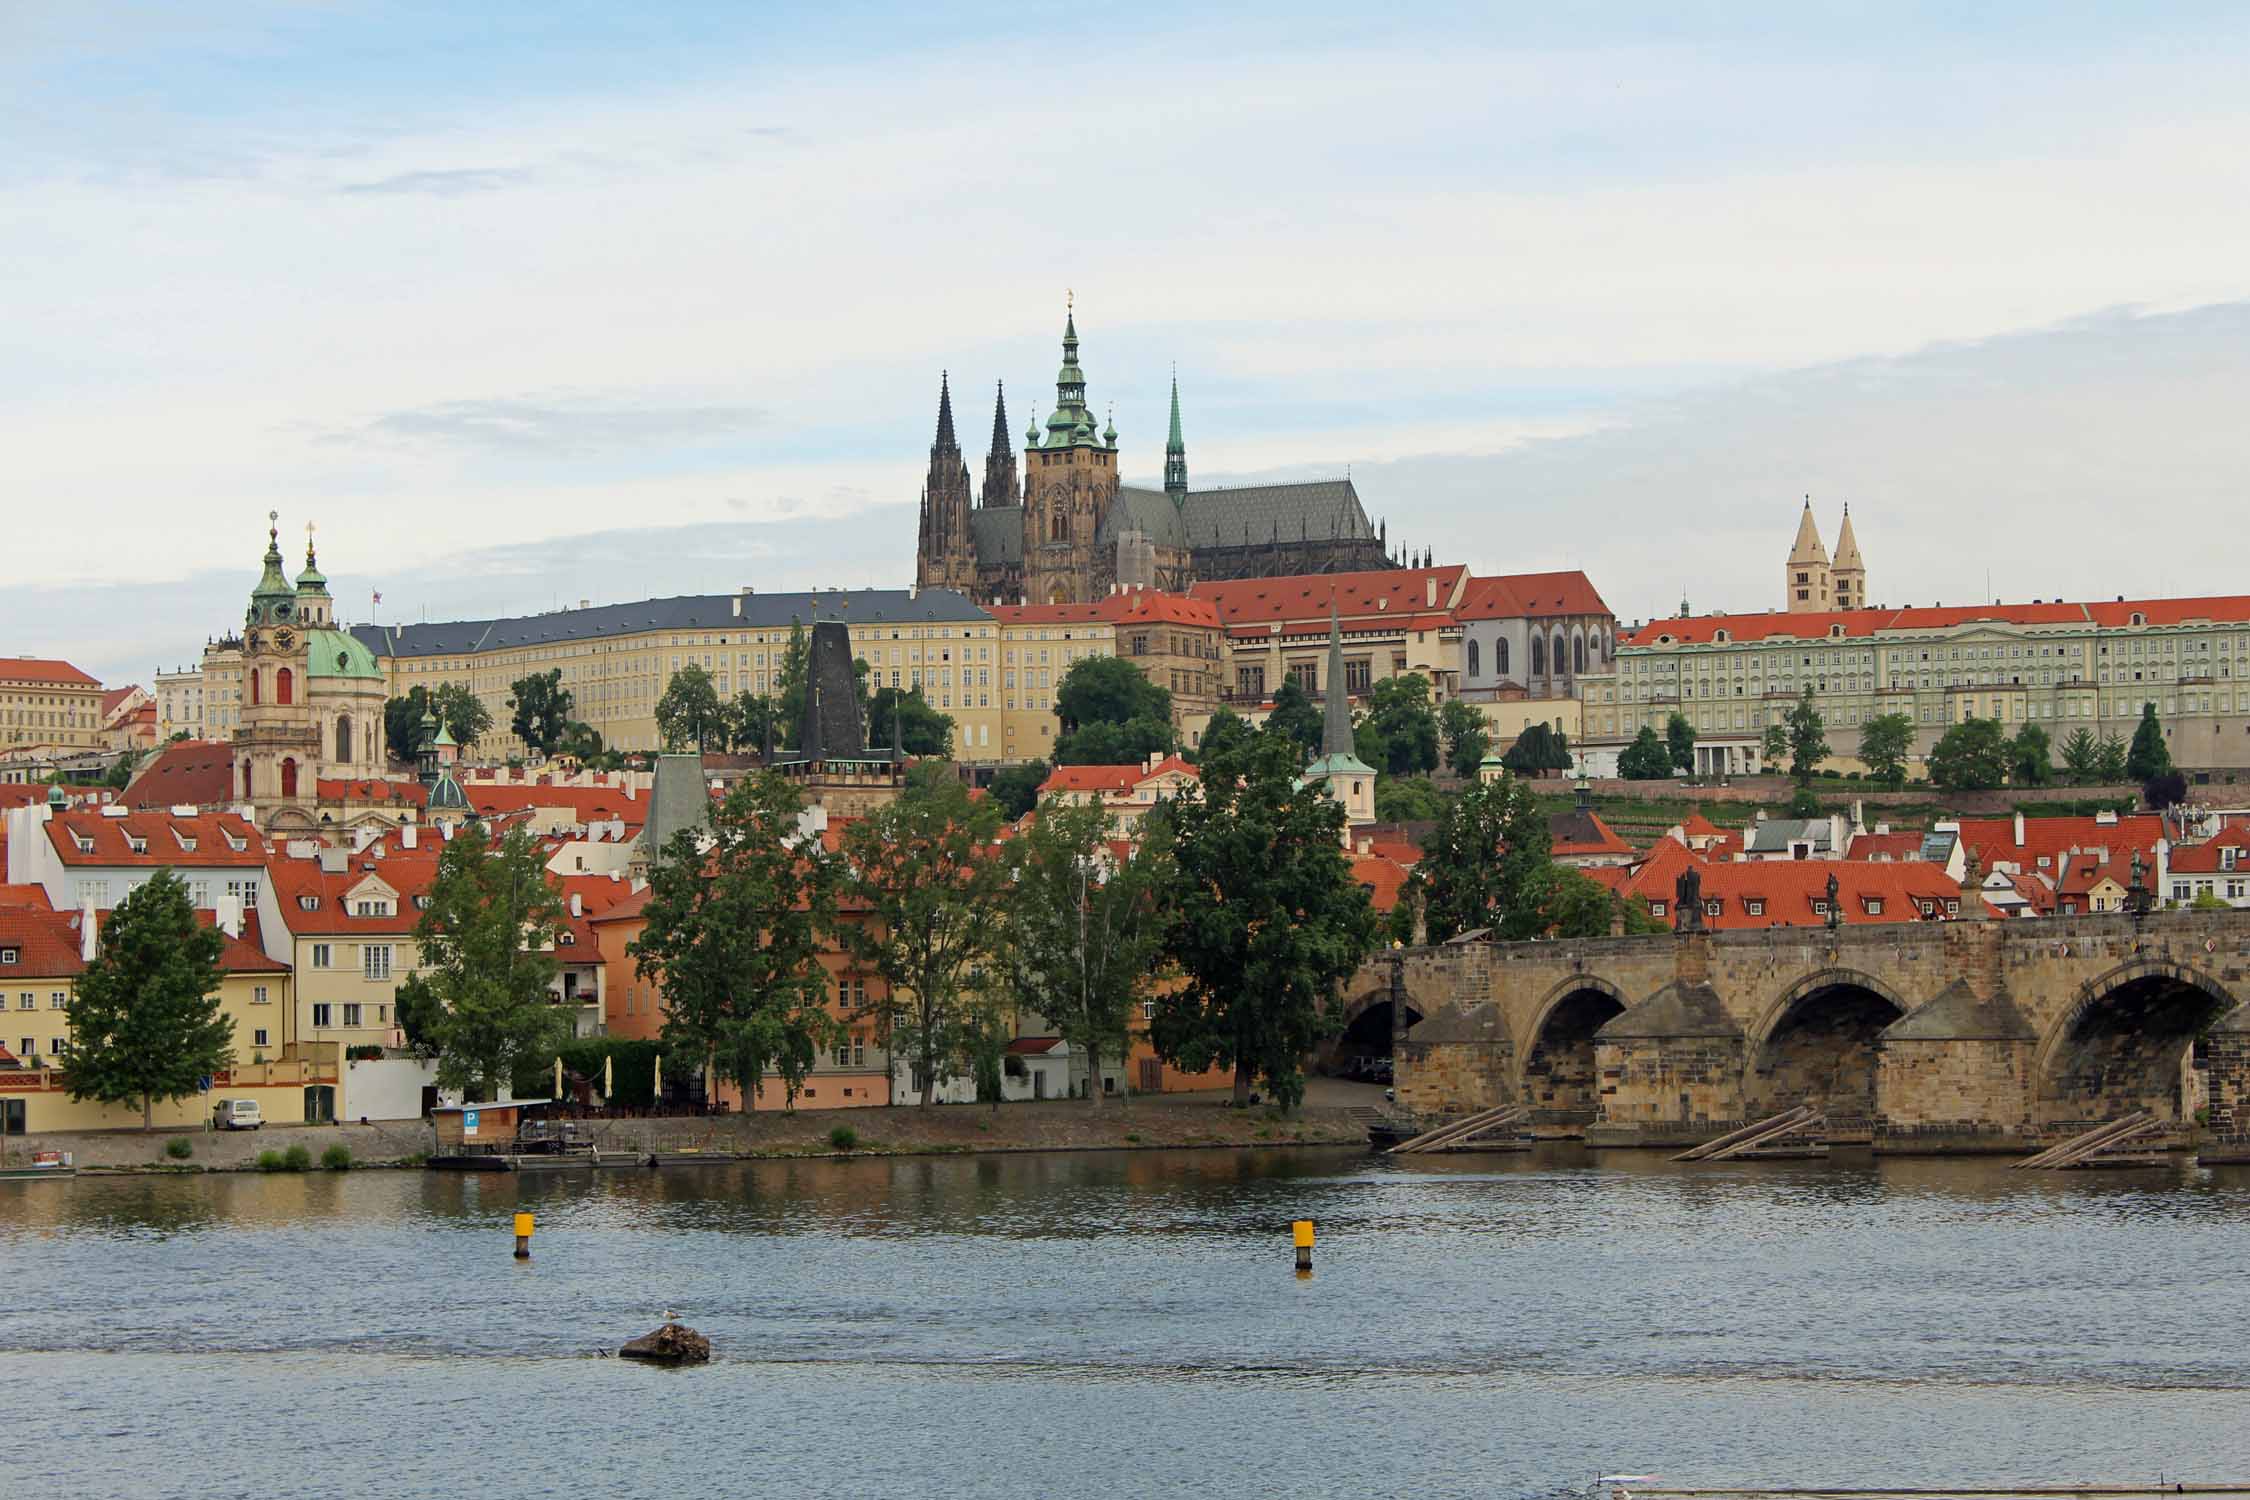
[945, 442]
[1071, 424]
[1000, 458]
[1336, 715]
[1175, 453]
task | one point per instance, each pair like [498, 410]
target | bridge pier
[2227, 1085]
[1955, 1076]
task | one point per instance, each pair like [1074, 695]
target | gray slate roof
[682, 612]
[1775, 835]
[1316, 509]
[996, 533]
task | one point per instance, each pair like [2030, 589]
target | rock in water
[673, 1344]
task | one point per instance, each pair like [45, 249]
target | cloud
[448, 183]
[555, 429]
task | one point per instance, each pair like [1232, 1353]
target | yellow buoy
[523, 1236]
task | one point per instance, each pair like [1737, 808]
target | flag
[378, 598]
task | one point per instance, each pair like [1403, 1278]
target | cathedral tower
[275, 749]
[1808, 586]
[1849, 575]
[1000, 458]
[1070, 482]
[1175, 455]
[946, 555]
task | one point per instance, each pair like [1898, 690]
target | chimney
[1429, 593]
[87, 929]
[2019, 828]
[738, 606]
[230, 914]
[406, 836]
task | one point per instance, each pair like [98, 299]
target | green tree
[402, 723]
[1102, 744]
[1084, 929]
[1645, 759]
[1264, 920]
[924, 871]
[120, 773]
[145, 1023]
[479, 1000]
[2081, 755]
[922, 729]
[1111, 714]
[749, 717]
[689, 712]
[736, 922]
[1295, 715]
[1467, 737]
[1407, 799]
[1016, 789]
[1578, 906]
[1679, 742]
[2028, 762]
[2109, 760]
[2149, 756]
[789, 684]
[1403, 724]
[1808, 744]
[1223, 732]
[1539, 747]
[1884, 743]
[1972, 756]
[543, 707]
[580, 741]
[1488, 864]
[1775, 746]
[2167, 790]
[462, 713]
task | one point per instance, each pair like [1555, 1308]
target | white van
[238, 1114]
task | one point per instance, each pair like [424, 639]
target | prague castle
[1066, 530]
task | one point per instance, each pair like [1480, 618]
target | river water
[1127, 1323]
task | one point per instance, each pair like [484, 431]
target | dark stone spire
[1175, 454]
[945, 442]
[1000, 486]
[945, 557]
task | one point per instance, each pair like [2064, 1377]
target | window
[308, 903]
[27, 1001]
[351, 1014]
[58, 1000]
[1148, 1010]
[1475, 668]
[258, 995]
[258, 1037]
[7, 955]
[1756, 906]
[320, 955]
[375, 960]
[1874, 906]
[321, 1015]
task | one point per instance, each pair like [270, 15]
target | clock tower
[276, 746]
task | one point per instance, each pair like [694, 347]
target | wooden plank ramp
[1798, 1121]
[1461, 1130]
[2091, 1147]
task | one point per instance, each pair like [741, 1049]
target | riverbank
[1146, 1122]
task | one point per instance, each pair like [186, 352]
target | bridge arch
[1816, 1044]
[1365, 1026]
[1555, 1072]
[2122, 1043]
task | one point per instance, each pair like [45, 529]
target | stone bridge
[1917, 1036]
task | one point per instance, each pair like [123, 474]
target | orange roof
[588, 803]
[371, 789]
[45, 943]
[1382, 878]
[40, 670]
[1155, 605]
[1393, 595]
[1993, 840]
[1111, 778]
[1891, 846]
[112, 697]
[2206, 858]
[192, 773]
[1784, 891]
[628, 907]
[2114, 614]
[1699, 825]
[1515, 595]
[1047, 614]
[296, 881]
[90, 838]
[33, 896]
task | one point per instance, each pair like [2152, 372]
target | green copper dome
[269, 601]
[332, 653]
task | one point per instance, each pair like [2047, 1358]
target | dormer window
[1656, 908]
[236, 844]
[1953, 908]
[136, 843]
[1874, 906]
[7, 955]
[566, 940]
[185, 842]
[308, 903]
[84, 842]
[372, 909]
[1820, 908]
[421, 903]
[1757, 906]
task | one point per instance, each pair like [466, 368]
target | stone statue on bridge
[1687, 901]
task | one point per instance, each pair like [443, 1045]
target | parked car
[238, 1114]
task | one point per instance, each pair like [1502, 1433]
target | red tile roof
[628, 907]
[164, 839]
[1393, 596]
[33, 896]
[2115, 614]
[587, 804]
[39, 670]
[112, 697]
[1381, 877]
[1788, 889]
[371, 789]
[1993, 840]
[1048, 614]
[45, 943]
[1110, 778]
[408, 872]
[2208, 857]
[1890, 846]
[1516, 595]
[192, 773]
[1134, 606]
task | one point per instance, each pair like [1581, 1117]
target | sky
[526, 303]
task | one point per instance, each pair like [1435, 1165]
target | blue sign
[203, 1084]
[468, 1122]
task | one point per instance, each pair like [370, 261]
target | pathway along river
[1127, 1323]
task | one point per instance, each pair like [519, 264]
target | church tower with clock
[312, 698]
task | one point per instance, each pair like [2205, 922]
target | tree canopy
[1885, 741]
[1808, 743]
[1111, 714]
[1016, 788]
[1488, 864]
[543, 708]
[2028, 760]
[1679, 742]
[736, 923]
[1295, 715]
[1539, 747]
[1467, 737]
[2149, 757]
[146, 1023]
[452, 704]
[1399, 731]
[1407, 799]
[1085, 928]
[1264, 920]
[922, 729]
[479, 998]
[1646, 758]
[689, 712]
[1972, 756]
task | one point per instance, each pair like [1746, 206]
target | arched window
[255, 674]
[1578, 653]
[343, 737]
[1538, 655]
[1500, 657]
[1058, 526]
[284, 682]
[244, 768]
[1558, 652]
[1473, 667]
[289, 777]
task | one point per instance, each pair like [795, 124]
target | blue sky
[527, 303]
